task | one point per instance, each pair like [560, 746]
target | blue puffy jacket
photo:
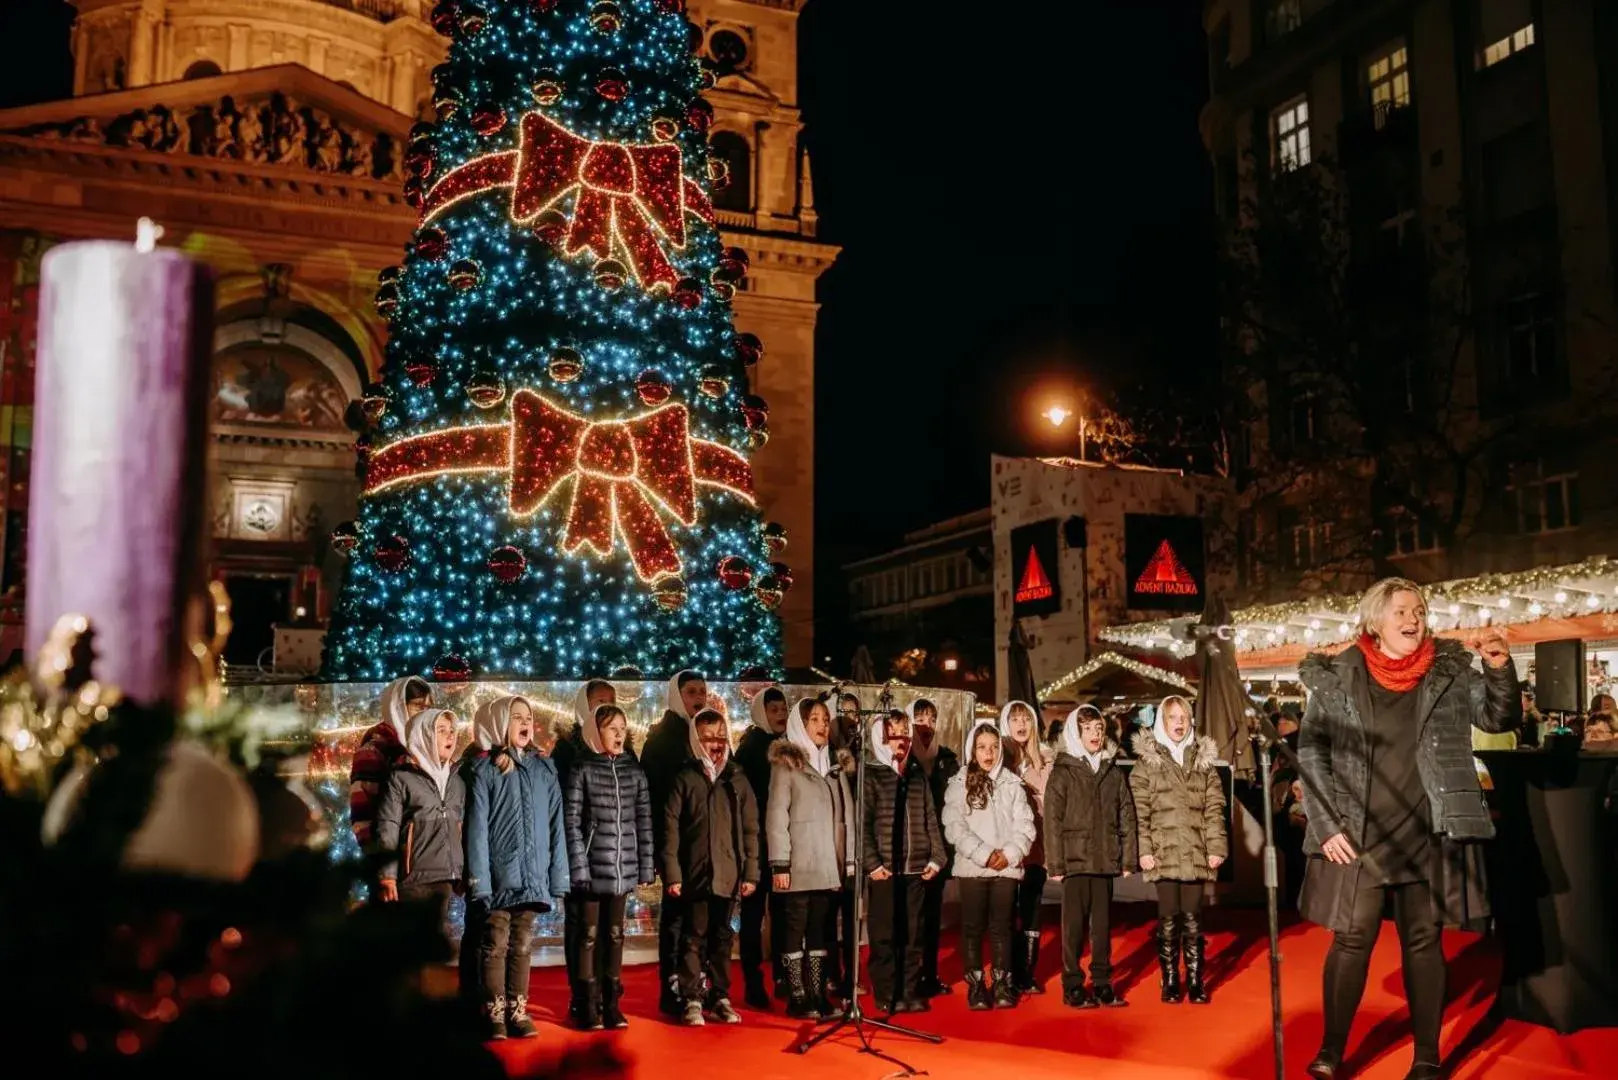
[516, 835]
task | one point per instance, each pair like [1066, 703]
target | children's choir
[530, 819]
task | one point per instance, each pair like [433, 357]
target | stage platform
[1147, 1041]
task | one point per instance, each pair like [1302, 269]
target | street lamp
[1058, 416]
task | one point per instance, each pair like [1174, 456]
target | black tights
[1179, 898]
[1349, 960]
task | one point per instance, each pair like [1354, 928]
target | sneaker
[1076, 997]
[914, 1005]
[1107, 997]
[692, 1017]
[725, 1012]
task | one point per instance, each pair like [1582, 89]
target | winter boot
[518, 1022]
[669, 1002]
[1005, 994]
[798, 1006]
[754, 992]
[1168, 957]
[612, 1010]
[495, 1010]
[1075, 996]
[692, 1014]
[815, 973]
[1195, 989]
[1107, 997]
[977, 992]
[1025, 964]
[588, 1015]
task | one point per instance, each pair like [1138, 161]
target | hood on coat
[491, 724]
[590, 731]
[788, 755]
[880, 750]
[584, 716]
[1327, 671]
[756, 710]
[1160, 730]
[924, 754]
[394, 696]
[1152, 752]
[675, 705]
[798, 735]
[419, 741]
[969, 756]
[701, 754]
[1035, 750]
[1070, 730]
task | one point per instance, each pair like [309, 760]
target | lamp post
[1058, 416]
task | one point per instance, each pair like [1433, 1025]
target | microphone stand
[853, 1015]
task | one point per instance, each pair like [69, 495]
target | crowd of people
[529, 819]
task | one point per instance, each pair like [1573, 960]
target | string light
[1134, 667]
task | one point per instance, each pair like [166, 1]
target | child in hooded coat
[379, 749]
[1089, 840]
[570, 747]
[810, 830]
[903, 851]
[769, 712]
[1180, 804]
[420, 817]
[990, 821]
[665, 751]
[516, 858]
[1028, 758]
[709, 856]
[940, 764]
[610, 848]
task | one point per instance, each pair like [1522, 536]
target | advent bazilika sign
[1164, 562]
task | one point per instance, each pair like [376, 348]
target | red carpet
[1229, 1038]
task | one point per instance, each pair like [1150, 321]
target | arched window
[733, 150]
[202, 69]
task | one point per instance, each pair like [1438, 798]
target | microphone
[1188, 629]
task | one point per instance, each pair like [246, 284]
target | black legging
[1349, 960]
[986, 905]
[804, 920]
[1030, 891]
[1179, 898]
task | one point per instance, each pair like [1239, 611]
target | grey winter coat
[1180, 809]
[421, 827]
[809, 820]
[1089, 818]
[609, 823]
[1332, 750]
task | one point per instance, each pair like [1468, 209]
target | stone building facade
[265, 136]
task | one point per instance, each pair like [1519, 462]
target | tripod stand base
[853, 1016]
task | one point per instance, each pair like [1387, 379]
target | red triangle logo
[1035, 585]
[1165, 575]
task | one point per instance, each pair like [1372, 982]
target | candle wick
[147, 234]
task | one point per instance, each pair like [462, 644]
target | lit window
[1531, 339]
[1407, 534]
[1513, 43]
[1545, 503]
[1289, 135]
[1282, 17]
[1389, 79]
[1303, 420]
[1311, 544]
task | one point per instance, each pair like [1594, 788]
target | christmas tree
[555, 463]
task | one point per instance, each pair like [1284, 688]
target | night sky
[1023, 203]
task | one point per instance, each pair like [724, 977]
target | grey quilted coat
[1332, 749]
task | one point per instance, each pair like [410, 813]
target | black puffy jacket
[887, 796]
[609, 823]
[753, 757]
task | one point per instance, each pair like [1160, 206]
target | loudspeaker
[1076, 532]
[1559, 682]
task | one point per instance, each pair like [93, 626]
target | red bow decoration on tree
[627, 473]
[629, 195]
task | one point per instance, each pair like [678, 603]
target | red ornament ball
[421, 372]
[388, 273]
[465, 274]
[488, 119]
[783, 574]
[375, 402]
[486, 389]
[387, 300]
[473, 19]
[345, 538]
[544, 7]
[420, 132]
[757, 438]
[547, 88]
[699, 117]
[415, 192]
[688, 293]
[723, 291]
[419, 159]
[565, 365]
[507, 564]
[665, 128]
[714, 381]
[670, 593]
[769, 592]
[393, 553]
[452, 669]
[718, 174]
[432, 244]
[612, 84]
[734, 263]
[445, 18]
[606, 18]
[446, 102]
[707, 75]
[734, 573]
[611, 274]
[749, 349]
[442, 74]
[670, 7]
[551, 227]
[755, 411]
[653, 389]
[775, 536]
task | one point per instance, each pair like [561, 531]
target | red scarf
[1397, 675]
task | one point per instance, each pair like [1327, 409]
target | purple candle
[115, 514]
